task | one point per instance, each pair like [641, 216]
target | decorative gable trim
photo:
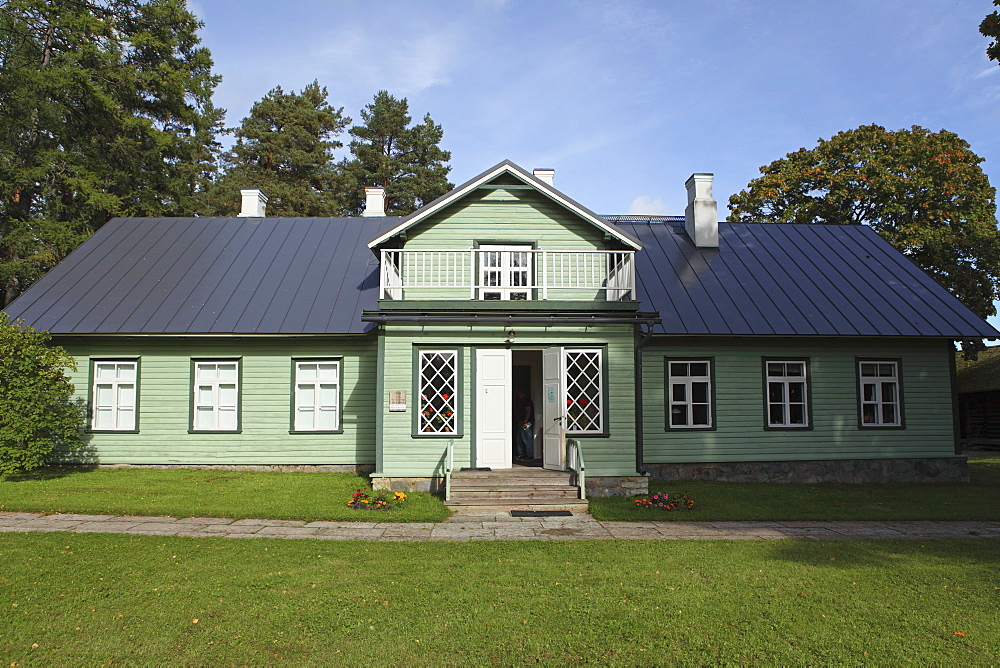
[507, 167]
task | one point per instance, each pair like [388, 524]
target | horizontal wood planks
[164, 401]
[740, 433]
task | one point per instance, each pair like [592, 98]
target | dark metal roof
[317, 275]
[789, 279]
[212, 276]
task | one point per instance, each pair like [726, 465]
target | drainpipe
[644, 337]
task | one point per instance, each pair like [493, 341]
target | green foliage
[990, 27]
[105, 110]
[36, 414]
[922, 191]
[407, 161]
[285, 148]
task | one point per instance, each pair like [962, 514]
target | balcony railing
[507, 274]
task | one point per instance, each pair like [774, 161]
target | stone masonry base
[614, 485]
[941, 469]
[360, 469]
[408, 484]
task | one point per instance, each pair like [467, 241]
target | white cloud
[409, 67]
[646, 205]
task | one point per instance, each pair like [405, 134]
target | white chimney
[374, 202]
[546, 175]
[254, 203]
[701, 217]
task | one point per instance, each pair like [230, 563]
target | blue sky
[625, 99]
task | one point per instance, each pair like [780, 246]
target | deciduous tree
[105, 110]
[36, 412]
[990, 27]
[285, 148]
[407, 161]
[922, 191]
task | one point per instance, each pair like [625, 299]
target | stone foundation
[941, 469]
[360, 469]
[611, 485]
[408, 484]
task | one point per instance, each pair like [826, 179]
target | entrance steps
[517, 488]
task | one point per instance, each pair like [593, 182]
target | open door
[553, 411]
[493, 408]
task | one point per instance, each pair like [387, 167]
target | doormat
[541, 513]
[476, 468]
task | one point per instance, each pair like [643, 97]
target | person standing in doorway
[524, 437]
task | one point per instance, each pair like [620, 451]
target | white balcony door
[505, 273]
[553, 410]
[493, 409]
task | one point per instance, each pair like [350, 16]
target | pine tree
[105, 110]
[407, 161]
[285, 148]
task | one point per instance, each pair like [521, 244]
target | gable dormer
[506, 235]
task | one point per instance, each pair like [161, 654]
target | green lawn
[80, 599]
[716, 501]
[193, 493]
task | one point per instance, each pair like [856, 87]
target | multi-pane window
[216, 396]
[584, 392]
[437, 386]
[879, 393]
[114, 395]
[787, 393]
[317, 395]
[505, 272]
[689, 384]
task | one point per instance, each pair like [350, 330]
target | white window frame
[218, 408]
[878, 401]
[597, 426]
[511, 279]
[437, 412]
[124, 413]
[323, 380]
[687, 381]
[785, 382]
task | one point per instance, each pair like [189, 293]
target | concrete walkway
[468, 526]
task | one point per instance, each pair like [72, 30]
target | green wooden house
[651, 346]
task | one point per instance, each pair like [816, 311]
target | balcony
[507, 273]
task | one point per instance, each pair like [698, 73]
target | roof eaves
[511, 168]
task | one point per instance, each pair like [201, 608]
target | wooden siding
[740, 434]
[407, 455]
[164, 402]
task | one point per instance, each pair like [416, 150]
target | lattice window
[438, 391]
[880, 400]
[787, 394]
[584, 392]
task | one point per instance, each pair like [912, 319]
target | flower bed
[362, 500]
[664, 501]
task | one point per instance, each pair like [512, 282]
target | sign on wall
[397, 401]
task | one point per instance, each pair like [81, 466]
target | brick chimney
[254, 203]
[701, 217]
[374, 202]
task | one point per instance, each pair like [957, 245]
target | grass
[75, 599]
[732, 501]
[194, 493]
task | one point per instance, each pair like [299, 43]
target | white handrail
[610, 272]
[448, 468]
[575, 457]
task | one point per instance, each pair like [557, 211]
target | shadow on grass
[51, 473]
[844, 554]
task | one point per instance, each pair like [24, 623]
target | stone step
[561, 493]
[548, 479]
[508, 484]
[506, 505]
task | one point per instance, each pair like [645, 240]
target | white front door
[553, 411]
[493, 409]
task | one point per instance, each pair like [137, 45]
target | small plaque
[397, 401]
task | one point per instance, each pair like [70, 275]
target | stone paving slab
[494, 526]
